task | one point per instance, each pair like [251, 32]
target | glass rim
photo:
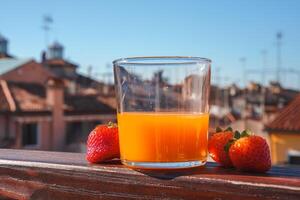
[161, 60]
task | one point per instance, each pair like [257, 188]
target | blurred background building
[47, 104]
[50, 102]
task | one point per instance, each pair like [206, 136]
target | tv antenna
[89, 71]
[108, 75]
[278, 44]
[243, 64]
[264, 66]
[47, 21]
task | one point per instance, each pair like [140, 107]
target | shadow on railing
[57, 175]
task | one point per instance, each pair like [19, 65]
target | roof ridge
[285, 119]
[9, 64]
[8, 95]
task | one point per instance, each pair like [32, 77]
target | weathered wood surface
[54, 175]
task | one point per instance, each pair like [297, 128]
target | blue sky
[97, 32]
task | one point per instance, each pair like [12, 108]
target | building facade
[284, 132]
[48, 105]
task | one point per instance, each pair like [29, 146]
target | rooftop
[59, 62]
[31, 97]
[8, 64]
[288, 118]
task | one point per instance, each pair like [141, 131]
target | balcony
[57, 175]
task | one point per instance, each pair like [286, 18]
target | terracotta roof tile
[61, 62]
[85, 81]
[87, 104]
[29, 97]
[4, 106]
[288, 118]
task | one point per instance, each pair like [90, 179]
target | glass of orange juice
[163, 111]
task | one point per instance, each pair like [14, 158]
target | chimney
[43, 56]
[3, 45]
[55, 99]
[105, 89]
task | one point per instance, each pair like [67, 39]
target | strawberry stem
[246, 133]
[111, 124]
[237, 135]
[228, 144]
[218, 129]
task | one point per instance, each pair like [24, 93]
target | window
[29, 134]
[73, 132]
[293, 157]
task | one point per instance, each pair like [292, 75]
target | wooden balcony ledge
[55, 175]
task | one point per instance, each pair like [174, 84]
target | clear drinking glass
[163, 111]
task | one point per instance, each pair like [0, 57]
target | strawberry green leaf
[111, 125]
[218, 129]
[237, 135]
[245, 133]
[228, 144]
[229, 129]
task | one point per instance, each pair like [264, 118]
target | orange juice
[163, 137]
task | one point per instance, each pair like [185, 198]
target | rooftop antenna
[244, 111]
[226, 92]
[243, 64]
[218, 84]
[217, 94]
[47, 21]
[264, 65]
[89, 71]
[278, 44]
[263, 89]
[109, 73]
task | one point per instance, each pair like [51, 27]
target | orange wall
[281, 143]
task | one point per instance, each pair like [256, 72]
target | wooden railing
[56, 175]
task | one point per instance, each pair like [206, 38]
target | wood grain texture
[55, 175]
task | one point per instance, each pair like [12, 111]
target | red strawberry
[103, 143]
[250, 153]
[217, 145]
